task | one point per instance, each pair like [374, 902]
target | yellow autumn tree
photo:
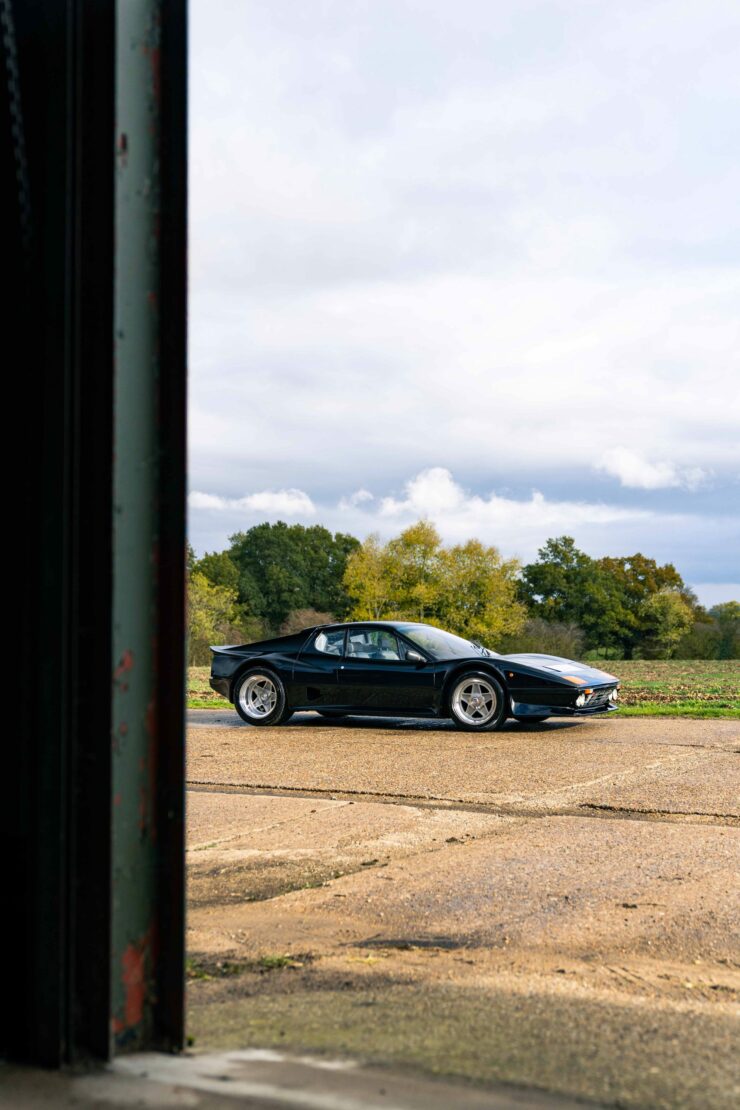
[213, 617]
[412, 567]
[477, 595]
[469, 588]
[367, 581]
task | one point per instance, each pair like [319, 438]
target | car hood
[555, 666]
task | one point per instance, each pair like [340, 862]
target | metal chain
[17, 131]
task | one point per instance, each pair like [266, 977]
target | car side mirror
[414, 657]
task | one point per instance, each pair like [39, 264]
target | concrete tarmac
[552, 906]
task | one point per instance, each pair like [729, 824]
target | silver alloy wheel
[258, 696]
[474, 701]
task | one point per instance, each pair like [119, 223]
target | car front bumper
[522, 710]
[585, 711]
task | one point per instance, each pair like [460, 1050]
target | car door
[316, 671]
[375, 673]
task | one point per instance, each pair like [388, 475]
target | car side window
[330, 643]
[388, 645]
[373, 643]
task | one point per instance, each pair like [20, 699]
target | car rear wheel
[259, 698]
[477, 702]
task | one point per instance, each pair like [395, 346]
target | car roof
[337, 625]
[380, 624]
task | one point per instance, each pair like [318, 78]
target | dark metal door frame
[94, 772]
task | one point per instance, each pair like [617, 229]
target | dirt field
[552, 906]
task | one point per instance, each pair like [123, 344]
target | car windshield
[439, 644]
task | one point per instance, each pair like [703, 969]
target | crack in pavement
[720, 818]
[502, 809]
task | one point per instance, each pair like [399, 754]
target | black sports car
[401, 669]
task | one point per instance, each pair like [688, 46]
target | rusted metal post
[147, 812]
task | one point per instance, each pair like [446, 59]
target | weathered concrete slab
[554, 906]
[705, 783]
[555, 883]
[256, 1079]
[555, 764]
[289, 843]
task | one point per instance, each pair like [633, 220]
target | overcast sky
[473, 261]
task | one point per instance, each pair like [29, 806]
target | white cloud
[435, 495]
[359, 497]
[288, 502]
[635, 471]
[197, 500]
[431, 492]
[459, 514]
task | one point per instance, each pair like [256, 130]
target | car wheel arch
[467, 665]
[250, 665]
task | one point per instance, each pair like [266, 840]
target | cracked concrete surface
[552, 906]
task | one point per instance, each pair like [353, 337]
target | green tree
[608, 598]
[287, 567]
[477, 592]
[639, 578]
[550, 587]
[665, 616]
[701, 641]
[727, 619]
[567, 586]
[220, 569]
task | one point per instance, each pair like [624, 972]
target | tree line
[278, 578]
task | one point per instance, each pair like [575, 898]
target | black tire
[260, 699]
[484, 708]
[331, 714]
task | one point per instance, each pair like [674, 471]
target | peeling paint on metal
[134, 979]
[126, 664]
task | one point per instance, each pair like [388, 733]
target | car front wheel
[477, 702]
[259, 698]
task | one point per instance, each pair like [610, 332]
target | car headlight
[613, 694]
[581, 700]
